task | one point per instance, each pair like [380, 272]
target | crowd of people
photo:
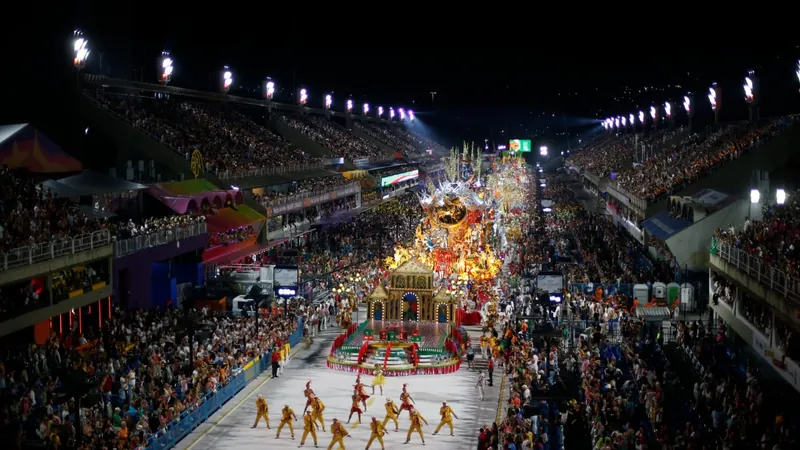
[143, 370]
[308, 186]
[228, 139]
[131, 228]
[661, 162]
[231, 236]
[388, 136]
[341, 141]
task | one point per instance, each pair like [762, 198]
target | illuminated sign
[519, 145]
[286, 292]
[400, 177]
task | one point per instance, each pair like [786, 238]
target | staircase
[397, 357]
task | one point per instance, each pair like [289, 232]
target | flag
[713, 246]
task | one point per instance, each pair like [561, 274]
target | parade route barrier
[211, 402]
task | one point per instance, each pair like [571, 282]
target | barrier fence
[264, 171]
[212, 402]
[25, 256]
[132, 245]
[775, 279]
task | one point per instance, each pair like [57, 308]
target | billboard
[519, 145]
[399, 178]
[550, 282]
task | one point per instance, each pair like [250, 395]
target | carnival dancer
[379, 379]
[360, 387]
[391, 414]
[416, 425]
[339, 433]
[308, 393]
[377, 433]
[309, 427]
[287, 414]
[447, 414]
[354, 408]
[481, 384]
[484, 345]
[317, 407]
[406, 402]
[262, 410]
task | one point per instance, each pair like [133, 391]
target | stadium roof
[93, 183]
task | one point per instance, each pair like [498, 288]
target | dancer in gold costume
[391, 414]
[377, 433]
[317, 408]
[339, 433]
[262, 410]
[309, 427]
[416, 424]
[447, 418]
[287, 414]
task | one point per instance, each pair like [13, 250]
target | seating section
[388, 136]
[341, 141]
[229, 140]
[308, 187]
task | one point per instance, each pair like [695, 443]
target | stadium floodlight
[349, 105]
[641, 117]
[748, 89]
[605, 125]
[411, 115]
[616, 122]
[269, 92]
[755, 196]
[328, 101]
[780, 196]
[653, 112]
[365, 109]
[391, 113]
[632, 119]
[543, 150]
[687, 103]
[380, 111]
[798, 70]
[166, 68]
[668, 109]
[303, 96]
[80, 47]
[624, 122]
[227, 79]
[402, 114]
[712, 96]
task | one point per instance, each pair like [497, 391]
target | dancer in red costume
[308, 393]
[406, 402]
[361, 390]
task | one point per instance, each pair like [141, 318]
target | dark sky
[519, 91]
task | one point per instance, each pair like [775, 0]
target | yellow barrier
[99, 285]
[74, 294]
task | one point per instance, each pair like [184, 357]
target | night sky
[488, 92]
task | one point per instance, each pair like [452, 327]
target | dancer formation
[313, 419]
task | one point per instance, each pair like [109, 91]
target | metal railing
[755, 267]
[623, 195]
[307, 199]
[25, 256]
[132, 245]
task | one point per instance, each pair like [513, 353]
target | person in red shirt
[276, 361]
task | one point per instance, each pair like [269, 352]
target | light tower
[715, 99]
[668, 114]
[688, 105]
[269, 89]
[302, 99]
[365, 109]
[328, 101]
[654, 115]
[751, 95]
[632, 121]
[391, 113]
[227, 80]
[349, 106]
[166, 68]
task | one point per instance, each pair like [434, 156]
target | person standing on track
[309, 427]
[262, 410]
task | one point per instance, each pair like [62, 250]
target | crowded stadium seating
[339, 140]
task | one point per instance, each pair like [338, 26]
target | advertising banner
[400, 177]
[519, 145]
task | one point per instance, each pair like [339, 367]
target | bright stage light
[631, 119]
[543, 150]
[80, 47]
[755, 196]
[667, 109]
[616, 122]
[712, 96]
[391, 113]
[748, 89]
[365, 109]
[402, 114]
[303, 96]
[687, 103]
[349, 105]
[653, 112]
[780, 196]
[411, 115]
[624, 122]
[166, 67]
[641, 117]
[328, 101]
[270, 91]
[227, 79]
[380, 111]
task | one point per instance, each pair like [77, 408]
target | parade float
[414, 315]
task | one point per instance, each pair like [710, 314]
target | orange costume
[360, 387]
[355, 407]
